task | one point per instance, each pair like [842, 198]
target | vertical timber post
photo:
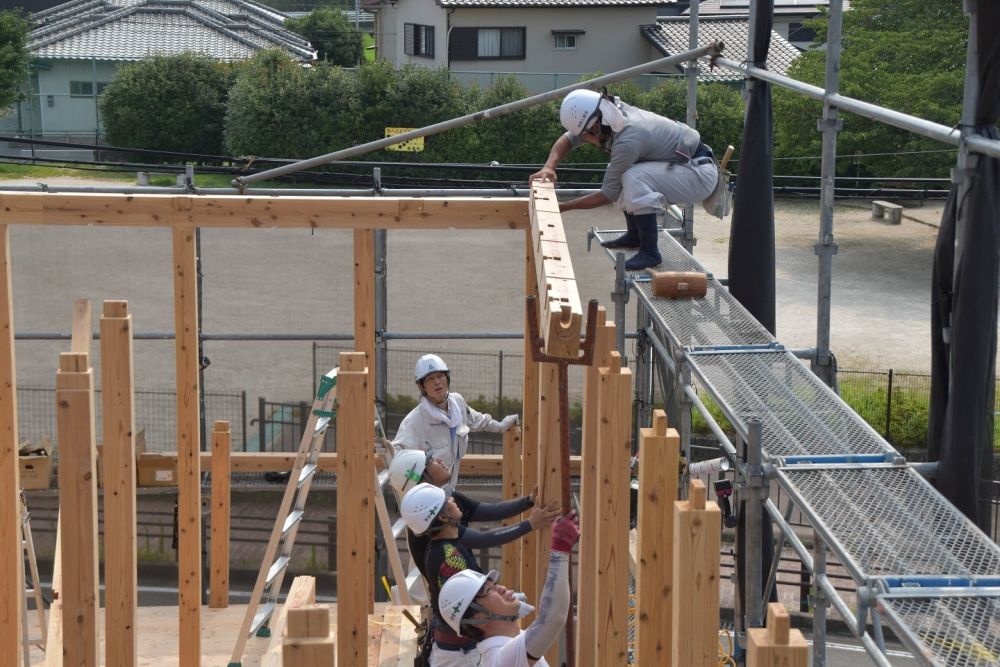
[510, 568]
[364, 341]
[549, 468]
[218, 586]
[529, 429]
[697, 526]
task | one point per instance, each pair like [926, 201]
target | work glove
[508, 422]
[565, 533]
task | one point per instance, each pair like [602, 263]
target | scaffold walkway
[919, 565]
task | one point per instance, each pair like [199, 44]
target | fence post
[888, 407]
[243, 410]
[500, 387]
[261, 419]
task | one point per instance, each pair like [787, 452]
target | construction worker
[474, 605]
[655, 162]
[441, 422]
[427, 509]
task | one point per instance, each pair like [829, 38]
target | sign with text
[411, 146]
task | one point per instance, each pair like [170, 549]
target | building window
[564, 41]
[418, 40]
[487, 44]
[81, 88]
[101, 85]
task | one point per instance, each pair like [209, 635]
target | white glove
[508, 422]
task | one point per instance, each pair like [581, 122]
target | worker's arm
[554, 605]
[560, 149]
[593, 200]
[501, 510]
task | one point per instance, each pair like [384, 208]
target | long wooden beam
[148, 210]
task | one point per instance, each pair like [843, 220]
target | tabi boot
[630, 239]
[649, 251]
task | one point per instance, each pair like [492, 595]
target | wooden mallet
[679, 284]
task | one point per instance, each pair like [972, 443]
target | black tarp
[964, 305]
[751, 244]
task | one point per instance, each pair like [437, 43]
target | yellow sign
[411, 146]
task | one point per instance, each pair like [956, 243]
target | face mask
[523, 608]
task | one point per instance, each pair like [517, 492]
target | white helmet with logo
[407, 469]
[421, 505]
[458, 593]
[578, 110]
[430, 363]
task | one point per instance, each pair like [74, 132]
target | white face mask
[523, 607]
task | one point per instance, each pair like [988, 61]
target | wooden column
[549, 470]
[218, 587]
[188, 447]
[308, 642]
[776, 645]
[587, 595]
[529, 432]
[78, 508]
[614, 444]
[12, 558]
[510, 562]
[54, 636]
[364, 334]
[697, 525]
[118, 403]
[355, 571]
[659, 453]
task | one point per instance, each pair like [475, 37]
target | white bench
[895, 211]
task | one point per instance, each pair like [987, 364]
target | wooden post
[188, 448]
[614, 438]
[118, 402]
[355, 571]
[529, 432]
[776, 645]
[549, 470]
[364, 337]
[12, 558]
[218, 597]
[301, 593]
[54, 636]
[659, 453]
[510, 563]
[308, 642]
[78, 508]
[587, 595]
[697, 526]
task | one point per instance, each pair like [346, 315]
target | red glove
[565, 532]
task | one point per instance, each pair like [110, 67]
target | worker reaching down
[655, 162]
[441, 422]
[476, 606]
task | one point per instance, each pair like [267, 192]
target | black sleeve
[476, 539]
[502, 510]
[469, 506]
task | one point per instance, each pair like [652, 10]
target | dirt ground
[296, 281]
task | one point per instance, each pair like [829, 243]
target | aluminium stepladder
[264, 598]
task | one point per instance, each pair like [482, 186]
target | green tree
[523, 137]
[13, 56]
[907, 55]
[328, 30]
[169, 103]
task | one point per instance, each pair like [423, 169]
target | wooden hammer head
[679, 284]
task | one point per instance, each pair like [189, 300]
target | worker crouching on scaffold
[655, 162]
[428, 510]
[441, 422]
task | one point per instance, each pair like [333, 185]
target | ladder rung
[308, 470]
[383, 477]
[276, 569]
[290, 521]
[30, 591]
[260, 618]
[321, 425]
[398, 528]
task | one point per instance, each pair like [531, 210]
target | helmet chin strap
[489, 616]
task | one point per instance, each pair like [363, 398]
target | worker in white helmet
[441, 422]
[428, 510]
[655, 162]
[476, 606]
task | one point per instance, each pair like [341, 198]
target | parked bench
[895, 211]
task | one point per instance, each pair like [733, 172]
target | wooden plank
[218, 587]
[776, 645]
[697, 526]
[301, 593]
[364, 334]
[11, 561]
[510, 553]
[54, 636]
[614, 438]
[587, 595]
[355, 576]
[78, 510]
[118, 403]
[188, 447]
[307, 642]
[529, 434]
[395, 562]
[264, 212]
[388, 652]
[82, 332]
[549, 469]
[310, 620]
[659, 452]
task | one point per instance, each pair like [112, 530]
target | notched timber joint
[586, 355]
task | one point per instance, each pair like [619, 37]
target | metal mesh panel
[890, 521]
[949, 631]
[800, 414]
[675, 257]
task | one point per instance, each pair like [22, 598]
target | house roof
[670, 36]
[124, 30]
[549, 4]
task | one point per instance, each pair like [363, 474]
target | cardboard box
[36, 471]
[153, 469]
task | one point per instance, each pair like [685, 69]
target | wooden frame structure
[548, 275]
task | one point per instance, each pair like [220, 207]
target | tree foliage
[328, 30]
[907, 55]
[13, 56]
[170, 103]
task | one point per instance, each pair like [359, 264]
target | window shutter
[428, 45]
[408, 39]
[462, 45]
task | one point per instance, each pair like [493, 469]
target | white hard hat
[407, 469]
[458, 593]
[427, 364]
[421, 505]
[578, 110]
